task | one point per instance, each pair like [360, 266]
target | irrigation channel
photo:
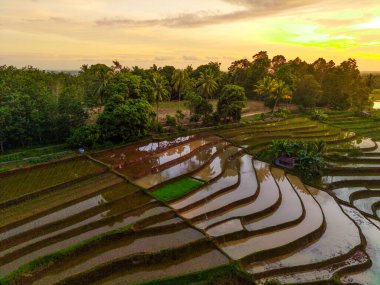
[160, 210]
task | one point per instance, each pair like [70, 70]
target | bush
[127, 121]
[318, 115]
[309, 159]
[194, 118]
[85, 136]
[231, 102]
[171, 121]
[199, 106]
[282, 113]
[375, 115]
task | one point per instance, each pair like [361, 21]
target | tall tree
[274, 90]
[179, 80]
[207, 84]
[160, 90]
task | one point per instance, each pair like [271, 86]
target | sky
[64, 34]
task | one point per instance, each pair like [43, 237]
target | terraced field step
[334, 247]
[156, 241]
[371, 232]
[51, 202]
[28, 183]
[13, 257]
[187, 167]
[271, 244]
[244, 193]
[148, 267]
[229, 180]
[322, 275]
[268, 200]
[59, 210]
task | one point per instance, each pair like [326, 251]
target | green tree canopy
[231, 102]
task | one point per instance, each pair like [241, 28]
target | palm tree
[274, 89]
[179, 81]
[282, 91]
[207, 84]
[265, 86]
[103, 77]
[160, 89]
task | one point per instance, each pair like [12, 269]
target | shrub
[194, 118]
[85, 136]
[282, 113]
[126, 121]
[171, 121]
[309, 160]
[318, 115]
[231, 102]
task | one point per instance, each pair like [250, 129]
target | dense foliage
[308, 156]
[38, 107]
[231, 102]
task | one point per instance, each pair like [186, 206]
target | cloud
[190, 57]
[164, 58]
[247, 9]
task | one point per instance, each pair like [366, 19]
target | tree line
[39, 107]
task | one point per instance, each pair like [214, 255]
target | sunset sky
[64, 34]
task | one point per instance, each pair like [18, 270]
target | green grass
[177, 189]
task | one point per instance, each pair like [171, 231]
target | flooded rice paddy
[81, 222]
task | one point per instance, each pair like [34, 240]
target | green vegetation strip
[177, 189]
[225, 274]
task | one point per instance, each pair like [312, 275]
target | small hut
[286, 162]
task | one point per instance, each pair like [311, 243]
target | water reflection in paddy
[289, 210]
[268, 196]
[344, 193]
[55, 199]
[110, 195]
[334, 242]
[189, 165]
[313, 221]
[201, 260]
[229, 178]
[365, 204]
[225, 228]
[119, 249]
[146, 166]
[136, 152]
[372, 233]
[46, 248]
[247, 188]
[215, 168]
[322, 274]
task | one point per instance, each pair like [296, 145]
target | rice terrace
[197, 207]
[219, 142]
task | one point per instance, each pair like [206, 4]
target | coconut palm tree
[282, 91]
[274, 89]
[160, 90]
[103, 76]
[207, 84]
[265, 86]
[179, 80]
